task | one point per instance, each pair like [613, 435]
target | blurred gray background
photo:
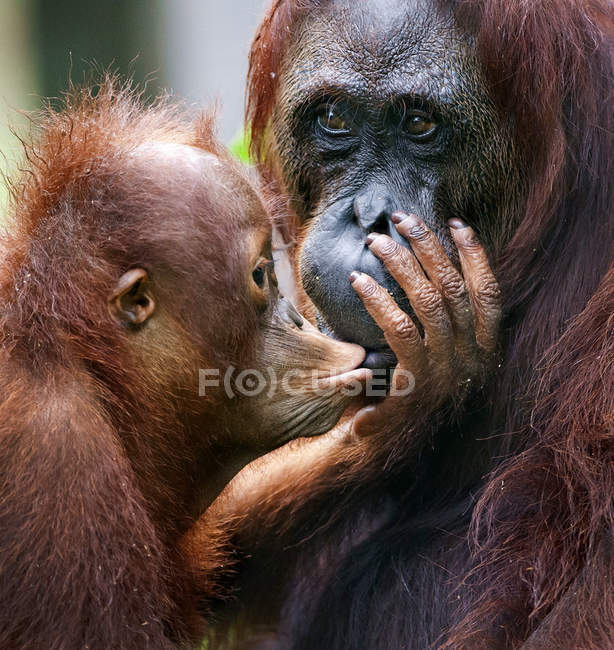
[195, 48]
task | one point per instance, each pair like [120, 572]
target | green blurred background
[195, 48]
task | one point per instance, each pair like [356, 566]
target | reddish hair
[560, 101]
[550, 66]
[265, 60]
[89, 527]
[68, 145]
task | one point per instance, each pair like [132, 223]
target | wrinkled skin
[403, 176]
[398, 59]
[138, 256]
[369, 543]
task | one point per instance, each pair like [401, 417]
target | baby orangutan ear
[131, 302]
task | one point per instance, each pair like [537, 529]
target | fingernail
[466, 237]
[354, 275]
[457, 224]
[371, 238]
[358, 424]
[410, 220]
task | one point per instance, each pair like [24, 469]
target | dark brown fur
[544, 511]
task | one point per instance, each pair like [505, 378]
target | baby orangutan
[136, 262]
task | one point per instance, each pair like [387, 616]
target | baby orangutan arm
[262, 489]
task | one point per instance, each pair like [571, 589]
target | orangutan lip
[379, 359]
[356, 364]
[375, 359]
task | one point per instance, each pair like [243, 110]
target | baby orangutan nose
[290, 314]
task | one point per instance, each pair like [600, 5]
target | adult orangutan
[477, 512]
[138, 254]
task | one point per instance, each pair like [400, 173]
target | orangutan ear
[131, 302]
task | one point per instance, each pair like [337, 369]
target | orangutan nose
[373, 208]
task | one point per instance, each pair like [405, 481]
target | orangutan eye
[332, 122]
[261, 272]
[420, 125]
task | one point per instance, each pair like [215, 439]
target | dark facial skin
[389, 115]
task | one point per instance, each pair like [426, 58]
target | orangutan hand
[460, 316]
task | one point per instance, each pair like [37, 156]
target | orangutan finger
[375, 418]
[442, 275]
[484, 292]
[400, 332]
[369, 420]
[425, 300]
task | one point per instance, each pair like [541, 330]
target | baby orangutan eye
[261, 272]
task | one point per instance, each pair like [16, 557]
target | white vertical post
[18, 79]
[206, 51]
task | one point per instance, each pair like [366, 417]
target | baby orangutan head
[204, 312]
